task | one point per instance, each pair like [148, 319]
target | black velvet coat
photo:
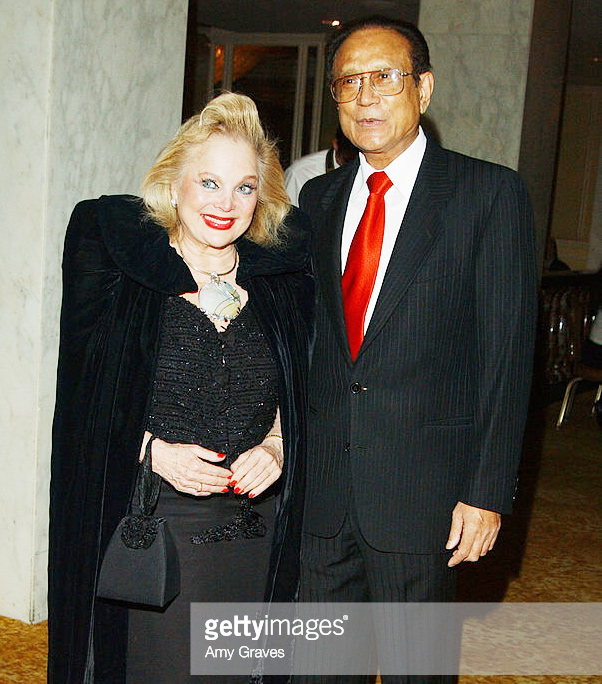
[118, 269]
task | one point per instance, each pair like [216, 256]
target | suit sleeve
[306, 203]
[505, 305]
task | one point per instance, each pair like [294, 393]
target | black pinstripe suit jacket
[432, 411]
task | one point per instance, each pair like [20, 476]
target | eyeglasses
[384, 82]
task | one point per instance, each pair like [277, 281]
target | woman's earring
[174, 202]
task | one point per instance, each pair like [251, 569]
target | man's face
[381, 126]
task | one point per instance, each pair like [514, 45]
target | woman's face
[217, 194]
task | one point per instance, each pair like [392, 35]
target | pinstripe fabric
[344, 568]
[433, 409]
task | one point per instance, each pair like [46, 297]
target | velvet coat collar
[142, 251]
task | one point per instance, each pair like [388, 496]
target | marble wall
[91, 91]
[23, 111]
[479, 53]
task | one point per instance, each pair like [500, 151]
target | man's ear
[425, 88]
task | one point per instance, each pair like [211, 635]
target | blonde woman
[186, 325]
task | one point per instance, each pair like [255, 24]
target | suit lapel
[420, 230]
[333, 206]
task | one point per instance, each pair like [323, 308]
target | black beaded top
[215, 389]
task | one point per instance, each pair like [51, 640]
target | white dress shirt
[402, 172]
[300, 171]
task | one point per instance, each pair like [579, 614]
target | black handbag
[141, 564]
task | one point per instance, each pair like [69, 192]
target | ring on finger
[200, 488]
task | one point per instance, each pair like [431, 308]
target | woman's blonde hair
[235, 116]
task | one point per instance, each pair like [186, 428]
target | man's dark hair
[419, 50]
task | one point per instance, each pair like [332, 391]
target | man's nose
[367, 95]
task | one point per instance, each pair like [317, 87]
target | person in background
[185, 328]
[551, 260]
[425, 328]
[317, 163]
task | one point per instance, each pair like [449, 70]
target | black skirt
[230, 571]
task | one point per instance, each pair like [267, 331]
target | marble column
[480, 53]
[91, 90]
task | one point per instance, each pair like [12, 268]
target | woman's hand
[188, 467]
[256, 469]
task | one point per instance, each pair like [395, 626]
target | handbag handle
[149, 483]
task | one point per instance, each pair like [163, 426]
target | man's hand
[473, 532]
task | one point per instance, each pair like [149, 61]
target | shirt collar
[402, 170]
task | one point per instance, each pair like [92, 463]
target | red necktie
[362, 262]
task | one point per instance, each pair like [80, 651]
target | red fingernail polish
[237, 491]
[225, 490]
[231, 483]
[251, 496]
[222, 455]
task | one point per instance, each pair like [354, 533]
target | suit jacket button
[356, 388]
[347, 447]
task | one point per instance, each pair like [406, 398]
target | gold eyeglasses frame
[370, 75]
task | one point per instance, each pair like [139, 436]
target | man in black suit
[425, 327]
